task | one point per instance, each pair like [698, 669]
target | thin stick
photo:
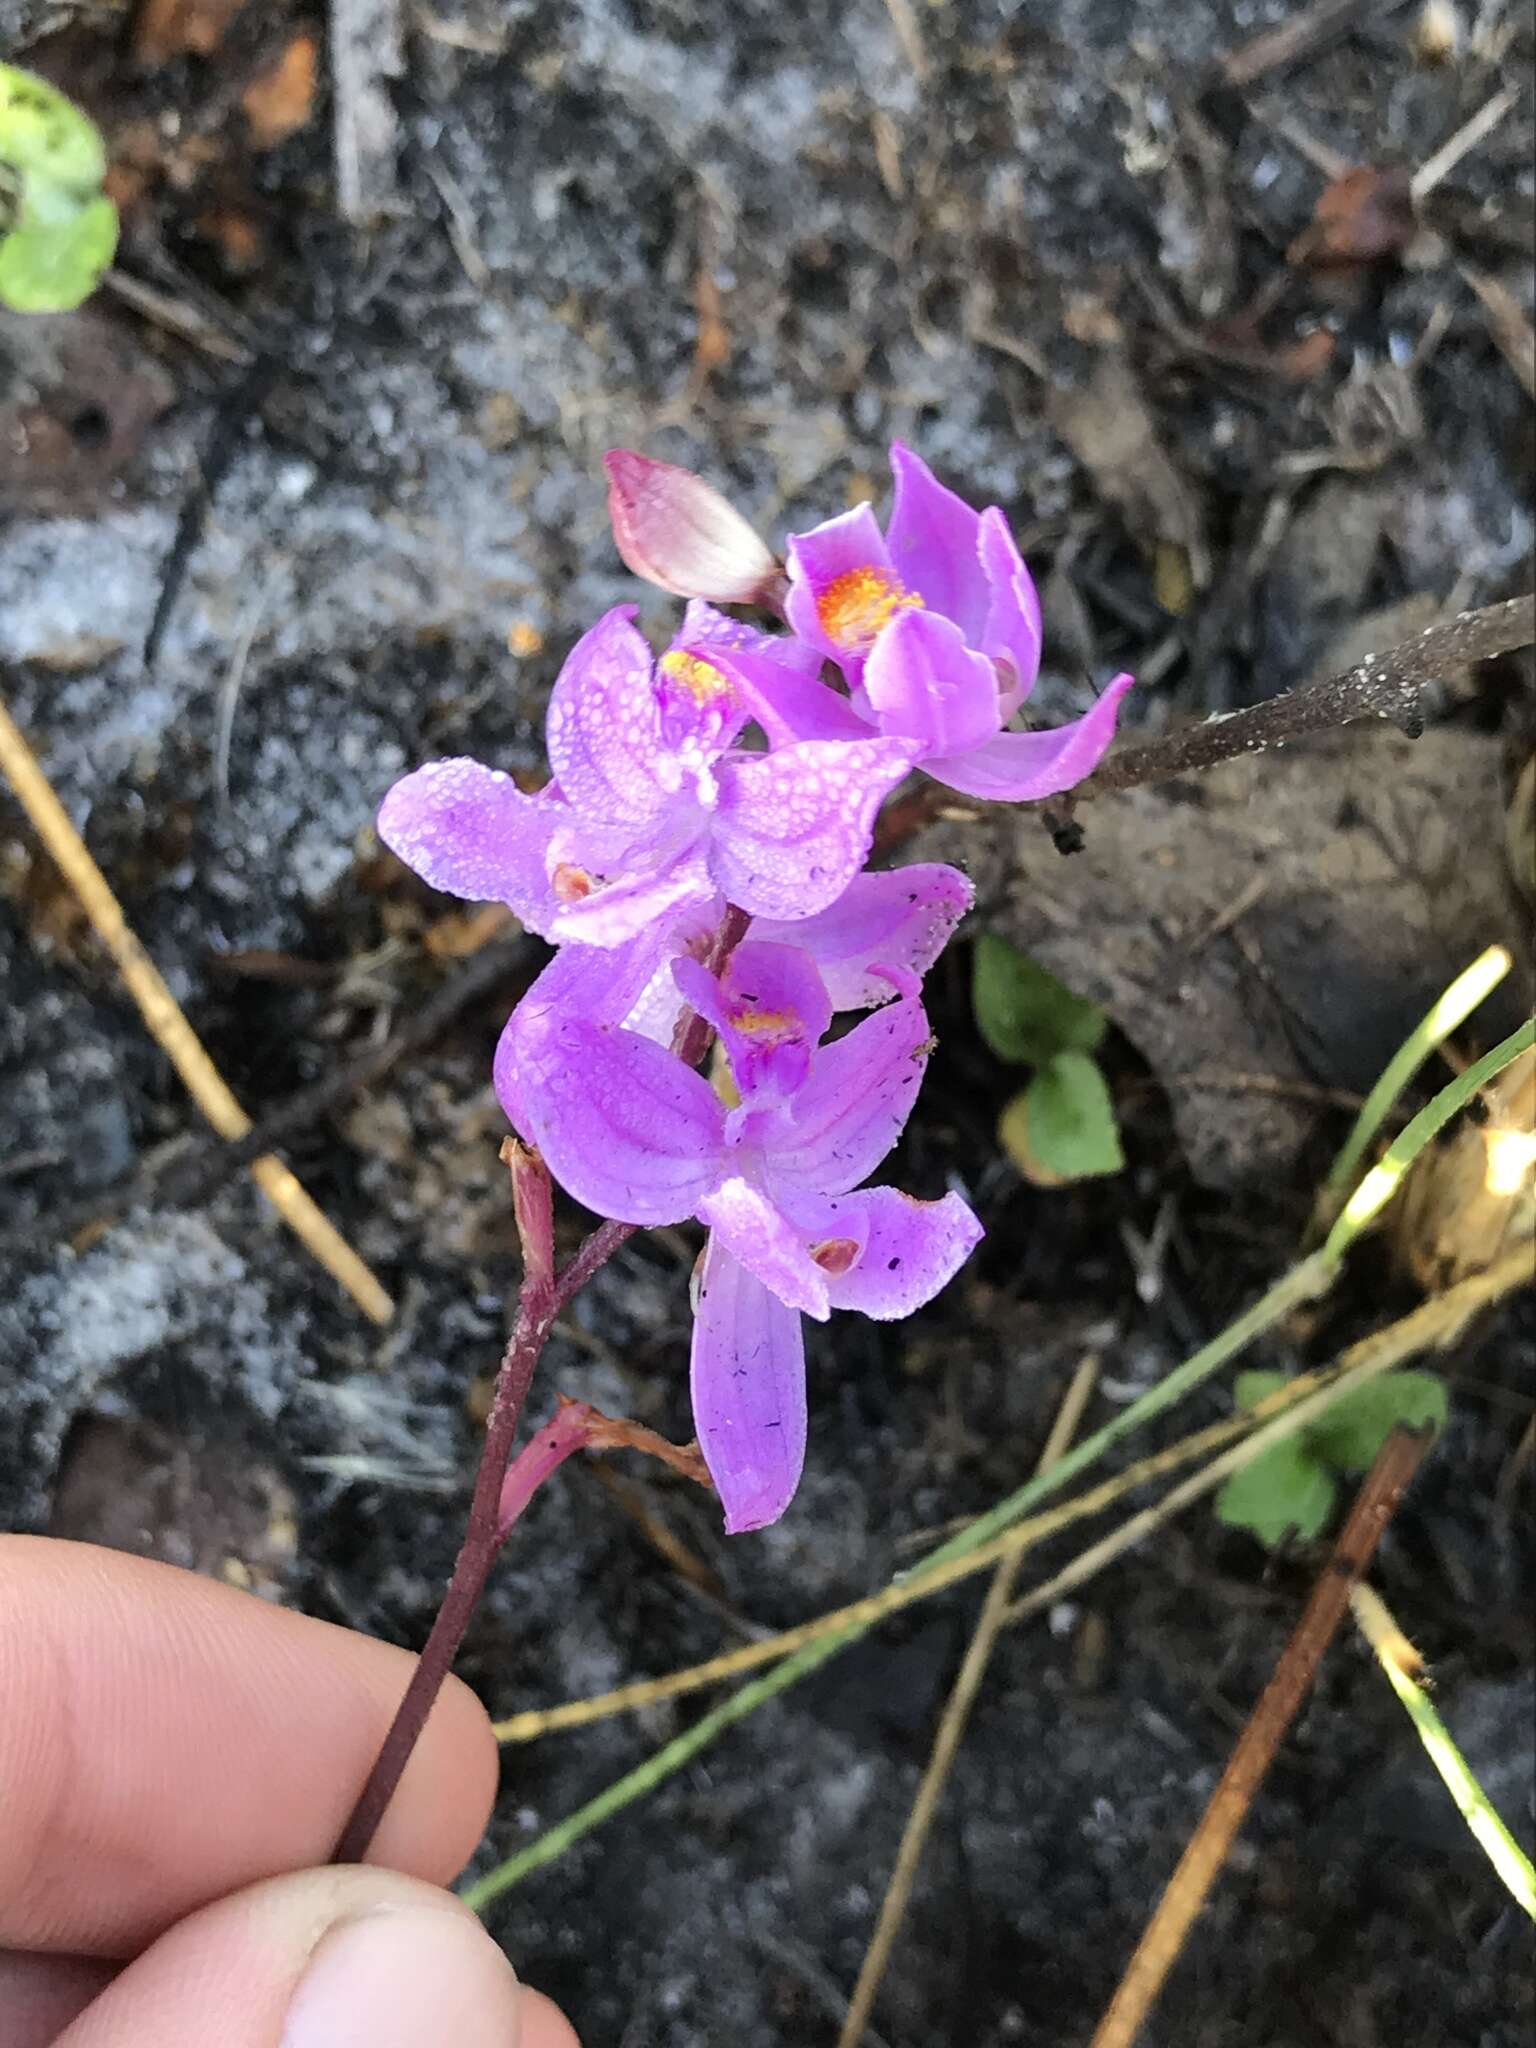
[1158, 1949]
[1401, 1661]
[951, 1733]
[1467, 137]
[1302, 35]
[1389, 685]
[167, 1022]
[1449, 1012]
[859, 1615]
[1437, 1321]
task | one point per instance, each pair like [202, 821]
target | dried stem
[1169, 1926]
[1389, 685]
[167, 1022]
[544, 1294]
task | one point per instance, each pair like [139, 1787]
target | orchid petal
[1013, 632]
[603, 730]
[823, 563]
[907, 1251]
[616, 912]
[1020, 767]
[708, 630]
[470, 831]
[623, 1125]
[748, 1386]
[677, 531]
[923, 683]
[791, 706]
[853, 1108]
[770, 1008]
[658, 1006]
[793, 827]
[932, 538]
[902, 917]
[763, 1238]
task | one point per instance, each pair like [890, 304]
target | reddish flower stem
[544, 1294]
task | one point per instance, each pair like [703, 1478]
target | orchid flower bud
[677, 532]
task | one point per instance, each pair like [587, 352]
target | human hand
[176, 1758]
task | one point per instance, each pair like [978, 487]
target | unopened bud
[677, 532]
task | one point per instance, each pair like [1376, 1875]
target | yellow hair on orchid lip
[854, 606]
[761, 1023]
[701, 679]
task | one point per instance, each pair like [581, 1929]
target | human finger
[166, 1740]
[338, 1958]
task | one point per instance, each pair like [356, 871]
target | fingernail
[405, 1977]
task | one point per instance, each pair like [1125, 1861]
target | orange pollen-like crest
[571, 884]
[855, 605]
[701, 679]
[835, 1255]
[761, 1023]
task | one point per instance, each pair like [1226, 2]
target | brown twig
[951, 1733]
[1302, 35]
[167, 1023]
[544, 1295]
[1389, 685]
[1186, 1892]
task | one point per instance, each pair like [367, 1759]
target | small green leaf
[43, 136]
[1283, 1493]
[1071, 1120]
[1024, 1013]
[1250, 1388]
[53, 257]
[1354, 1429]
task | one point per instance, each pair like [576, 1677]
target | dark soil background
[334, 493]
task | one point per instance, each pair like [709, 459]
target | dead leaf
[1110, 430]
[1366, 216]
[237, 235]
[1382, 878]
[175, 28]
[617, 1433]
[76, 399]
[1472, 1198]
[279, 101]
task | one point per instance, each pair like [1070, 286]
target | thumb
[352, 1957]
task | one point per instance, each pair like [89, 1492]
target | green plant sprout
[1061, 1127]
[58, 229]
[1289, 1492]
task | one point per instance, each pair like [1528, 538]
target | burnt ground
[1063, 255]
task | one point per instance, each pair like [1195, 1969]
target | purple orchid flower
[653, 808]
[903, 917]
[935, 626]
[634, 1133]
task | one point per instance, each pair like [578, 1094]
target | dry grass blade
[168, 1024]
[1404, 1667]
[951, 1733]
[1166, 1932]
